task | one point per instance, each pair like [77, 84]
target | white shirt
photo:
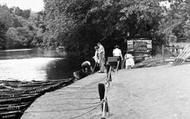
[117, 52]
[101, 49]
[101, 52]
[96, 58]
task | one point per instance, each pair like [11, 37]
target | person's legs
[102, 67]
[122, 64]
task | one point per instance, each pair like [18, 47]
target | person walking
[117, 53]
[101, 55]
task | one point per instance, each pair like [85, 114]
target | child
[129, 61]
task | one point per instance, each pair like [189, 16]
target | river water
[36, 64]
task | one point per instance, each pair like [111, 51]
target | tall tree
[81, 23]
[176, 20]
[57, 22]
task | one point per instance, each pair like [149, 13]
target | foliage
[19, 12]
[17, 28]
[176, 20]
[114, 21]
[5, 22]
[2, 35]
[79, 24]
[19, 37]
[5, 17]
[58, 25]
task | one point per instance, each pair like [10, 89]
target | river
[36, 64]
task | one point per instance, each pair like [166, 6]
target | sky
[34, 5]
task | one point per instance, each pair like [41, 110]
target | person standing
[117, 53]
[101, 55]
[129, 61]
[96, 59]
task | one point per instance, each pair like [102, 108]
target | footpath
[161, 92]
[79, 100]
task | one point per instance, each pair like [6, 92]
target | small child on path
[129, 61]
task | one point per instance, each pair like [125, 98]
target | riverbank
[79, 100]
[145, 93]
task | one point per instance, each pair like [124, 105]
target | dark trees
[79, 24]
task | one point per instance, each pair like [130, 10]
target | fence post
[103, 90]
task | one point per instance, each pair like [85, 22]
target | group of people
[86, 66]
[127, 59]
[99, 59]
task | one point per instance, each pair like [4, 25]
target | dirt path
[151, 93]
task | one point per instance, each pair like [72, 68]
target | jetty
[146, 93]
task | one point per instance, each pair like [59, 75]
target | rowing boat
[16, 97]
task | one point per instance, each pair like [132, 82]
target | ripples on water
[29, 66]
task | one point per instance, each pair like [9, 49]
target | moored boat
[15, 99]
[11, 114]
[14, 107]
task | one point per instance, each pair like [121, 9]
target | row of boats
[16, 96]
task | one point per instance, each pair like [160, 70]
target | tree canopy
[79, 24]
[18, 28]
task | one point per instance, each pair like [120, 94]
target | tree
[19, 12]
[5, 17]
[20, 37]
[176, 20]
[117, 20]
[57, 22]
[79, 24]
[2, 35]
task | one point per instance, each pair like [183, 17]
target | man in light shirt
[117, 53]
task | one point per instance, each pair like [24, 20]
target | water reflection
[61, 68]
[27, 65]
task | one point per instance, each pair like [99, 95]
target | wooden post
[103, 90]
[103, 97]
[105, 104]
